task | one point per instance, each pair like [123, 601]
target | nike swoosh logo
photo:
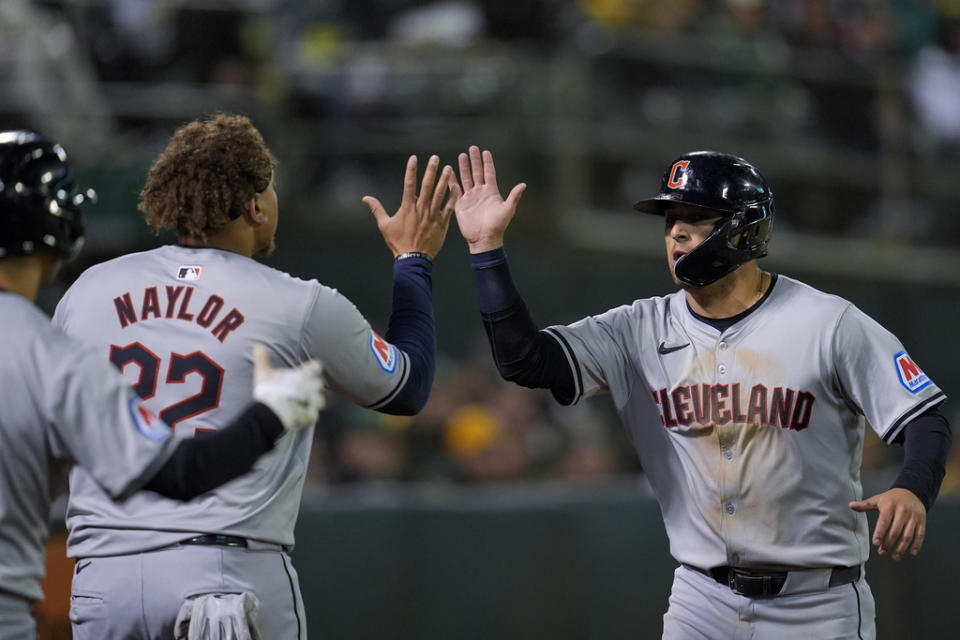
[81, 567]
[663, 349]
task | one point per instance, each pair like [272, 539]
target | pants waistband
[220, 540]
[760, 583]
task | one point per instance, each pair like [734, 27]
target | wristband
[413, 254]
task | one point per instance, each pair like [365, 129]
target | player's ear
[254, 213]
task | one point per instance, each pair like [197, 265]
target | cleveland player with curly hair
[63, 404]
[179, 321]
[206, 175]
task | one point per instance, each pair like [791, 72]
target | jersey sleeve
[878, 376]
[95, 419]
[358, 363]
[594, 351]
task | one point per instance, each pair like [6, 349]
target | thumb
[376, 209]
[864, 505]
[261, 361]
[515, 194]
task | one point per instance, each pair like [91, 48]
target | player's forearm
[208, 461]
[522, 353]
[412, 329]
[926, 443]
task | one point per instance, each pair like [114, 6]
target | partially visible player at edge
[63, 404]
[179, 321]
[745, 394]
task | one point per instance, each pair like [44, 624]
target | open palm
[482, 213]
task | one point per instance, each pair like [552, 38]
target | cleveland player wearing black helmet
[746, 395]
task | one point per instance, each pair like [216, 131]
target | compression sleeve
[926, 443]
[522, 354]
[411, 328]
[211, 459]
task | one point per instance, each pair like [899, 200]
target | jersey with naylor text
[752, 438]
[180, 324]
[63, 404]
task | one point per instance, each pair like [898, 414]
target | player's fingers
[918, 537]
[489, 171]
[880, 531]
[429, 181]
[515, 194]
[410, 181]
[906, 539]
[377, 210]
[476, 165]
[452, 198]
[443, 183]
[864, 505]
[465, 176]
[895, 531]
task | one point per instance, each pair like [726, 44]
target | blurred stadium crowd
[110, 78]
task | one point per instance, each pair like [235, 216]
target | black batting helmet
[39, 203]
[730, 186]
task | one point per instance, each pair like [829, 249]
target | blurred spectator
[934, 86]
[50, 78]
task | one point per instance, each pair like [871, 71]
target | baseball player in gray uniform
[746, 395]
[63, 404]
[179, 321]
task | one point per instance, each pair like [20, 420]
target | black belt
[756, 583]
[216, 539]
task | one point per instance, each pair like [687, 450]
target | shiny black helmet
[39, 202]
[730, 186]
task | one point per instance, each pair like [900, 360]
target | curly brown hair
[209, 171]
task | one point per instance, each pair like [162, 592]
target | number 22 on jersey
[179, 367]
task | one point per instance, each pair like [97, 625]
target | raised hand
[482, 214]
[421, 222]
[902, 522]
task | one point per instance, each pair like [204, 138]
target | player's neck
[730, 295]
[25, 274]
[227, 239]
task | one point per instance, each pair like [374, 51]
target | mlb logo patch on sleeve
[188, 272]
[147, 422]
[384, 352]
[911, 376]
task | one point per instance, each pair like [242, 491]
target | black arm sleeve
[523, 355]
[211, 459]
[412, 329]
[926, 443]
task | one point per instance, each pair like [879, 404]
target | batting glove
[295, 395]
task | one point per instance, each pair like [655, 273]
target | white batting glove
[295, 395]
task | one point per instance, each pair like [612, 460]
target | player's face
[686, 227]
[266, 233]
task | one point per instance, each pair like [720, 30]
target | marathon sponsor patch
[188, 272]
[148, 423]
[911, 376]
[384, 352]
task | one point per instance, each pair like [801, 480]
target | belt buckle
[755, 585]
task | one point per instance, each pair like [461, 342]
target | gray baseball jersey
[752, 438]
[180, 324]
[63, 404]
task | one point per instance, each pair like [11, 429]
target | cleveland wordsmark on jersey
[62, 404]
[180, 324]
[773, 430]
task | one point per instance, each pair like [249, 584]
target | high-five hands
[482, 214]
[421, 222]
